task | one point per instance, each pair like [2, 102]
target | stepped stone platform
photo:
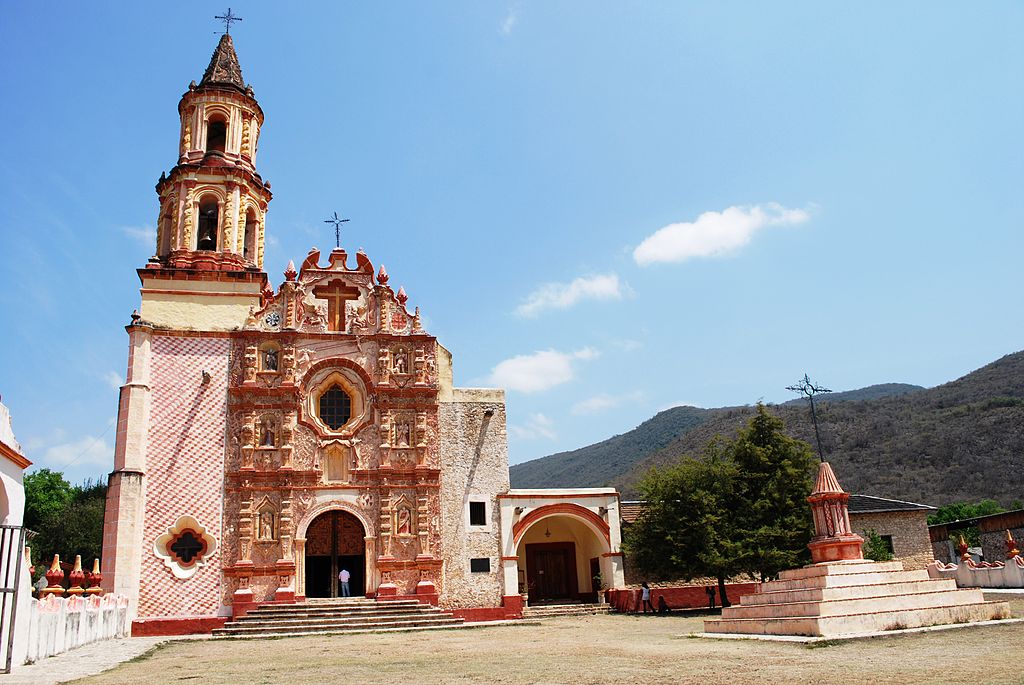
[337, 616]
[574, 609]
[853, 597]
[845, 595]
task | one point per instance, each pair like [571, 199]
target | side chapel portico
[560, 544]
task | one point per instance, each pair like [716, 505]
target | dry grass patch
[586, 650]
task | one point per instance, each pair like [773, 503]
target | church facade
[269, 438]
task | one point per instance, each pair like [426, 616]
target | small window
[216, 135]
[478, 513]
[481, 565]
[335, 407]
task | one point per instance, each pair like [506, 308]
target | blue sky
[609, 208]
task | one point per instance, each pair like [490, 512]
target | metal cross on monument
[337, 221]
[808, 389]
[227, 18]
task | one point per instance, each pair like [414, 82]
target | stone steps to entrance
[338, 616]
[550, 610]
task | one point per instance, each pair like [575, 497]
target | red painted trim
[612, 554]
[16, 458]
[564, 508]
[185, 625]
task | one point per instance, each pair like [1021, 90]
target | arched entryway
[562, 554]
[335, 540]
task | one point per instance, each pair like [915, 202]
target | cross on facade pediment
[337, 294]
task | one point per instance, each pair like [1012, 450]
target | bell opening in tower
[207, 236]
[216, 135]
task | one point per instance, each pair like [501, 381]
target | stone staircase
[349, 615]
[852, 597]
[573, 609]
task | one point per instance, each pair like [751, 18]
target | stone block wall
[474, 467]
[993, 543]
[909, 530]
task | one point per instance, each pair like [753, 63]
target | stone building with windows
[268, 438]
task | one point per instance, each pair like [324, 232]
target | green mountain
[963, 440]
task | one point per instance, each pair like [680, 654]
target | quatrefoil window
[185, 547]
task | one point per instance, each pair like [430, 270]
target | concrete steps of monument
[855, 605]
[552, 610]
[841, 568]
[819, 594]
[851, 624]
[338, 616]
[829, 580]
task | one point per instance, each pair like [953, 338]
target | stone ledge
[803, 639]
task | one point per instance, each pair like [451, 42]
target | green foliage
[875, 547]
[964, 511]
[740, 508]
[67, 519]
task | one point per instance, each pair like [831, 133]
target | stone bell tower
[205, 278]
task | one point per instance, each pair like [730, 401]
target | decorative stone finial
[290, 273]
[54, 577]
[1011, 546]
[402, 297]
[833, 539]
[136, 317]
[382, 275]
[76, 579]
[417, 325]
[95, 578]
[962, 549]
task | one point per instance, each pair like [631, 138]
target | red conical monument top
[833, 539]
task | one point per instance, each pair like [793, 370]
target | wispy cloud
[85, 451]
[538, 371]
[565, 295]
[113, 379]
[145, 235]
[604, 402]
[508, 24]
[536, 426]
[714, 234]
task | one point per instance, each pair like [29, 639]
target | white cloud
[85, 451]
[536, 426]
[714, 234]
[603, 402]
[113, 379]
[145, 235]
[510, 20]
[538, 371]
[565, 295]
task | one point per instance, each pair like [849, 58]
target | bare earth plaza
[297, 490]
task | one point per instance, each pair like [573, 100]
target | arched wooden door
[335, 541]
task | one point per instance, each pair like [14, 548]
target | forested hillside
[963, 440]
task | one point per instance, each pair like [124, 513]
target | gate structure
[12, 549]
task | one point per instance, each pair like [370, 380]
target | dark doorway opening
[335, 541]
[551, 571]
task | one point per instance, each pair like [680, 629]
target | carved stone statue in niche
[403, 521]
[267, 437]
[270, 359]
[266, 525]
[401, 364]
[402, 434]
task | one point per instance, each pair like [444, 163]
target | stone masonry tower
[203, 280]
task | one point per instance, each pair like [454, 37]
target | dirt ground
[585, 650]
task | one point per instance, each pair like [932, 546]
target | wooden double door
[551, 571]
[335, 541]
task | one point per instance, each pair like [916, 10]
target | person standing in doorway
[645, 597]
[343, 578]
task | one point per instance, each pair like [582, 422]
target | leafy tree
[67, 519]
[741, 508]
[964, 511]
[875, 547]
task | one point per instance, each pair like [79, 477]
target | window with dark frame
[335, 407]
[478, 513]
[481, 565]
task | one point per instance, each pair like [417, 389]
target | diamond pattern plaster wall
[184, 468]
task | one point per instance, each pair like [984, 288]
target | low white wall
[57, 624]
[1008, 574]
